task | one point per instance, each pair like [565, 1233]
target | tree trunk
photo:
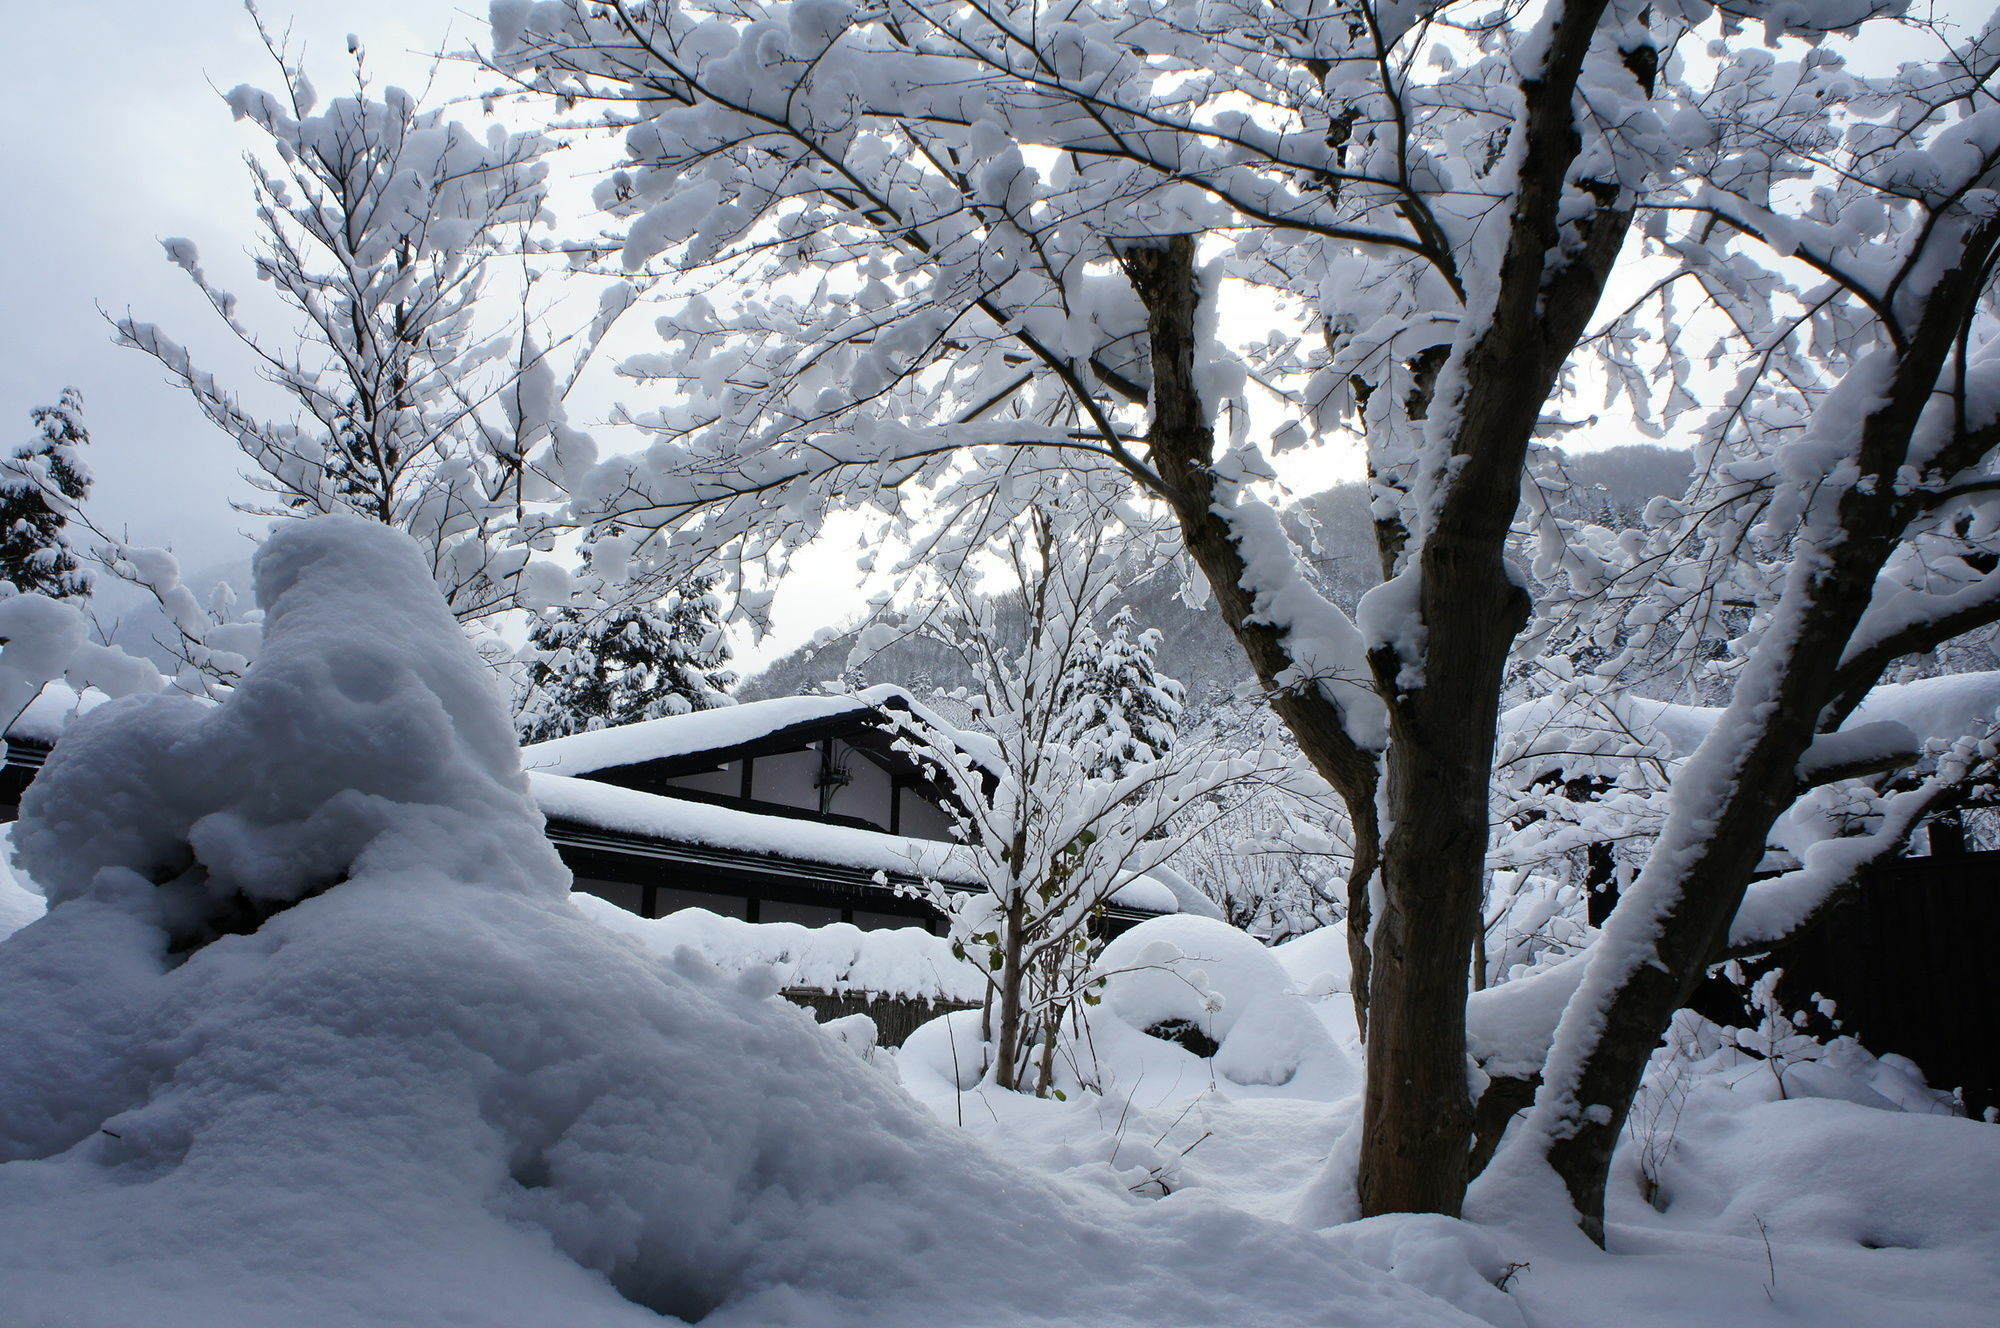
[1181, 447]
[1680, 911]
[1417, 1114]
[1417, 1117]
[1007, 1039]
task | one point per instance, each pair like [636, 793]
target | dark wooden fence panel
[1912, 961]
[896, 1017]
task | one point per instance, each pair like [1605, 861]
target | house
[794, 809]
[30, 736]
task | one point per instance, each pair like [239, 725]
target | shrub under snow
[393, 1076]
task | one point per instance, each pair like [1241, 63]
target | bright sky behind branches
[120, 138]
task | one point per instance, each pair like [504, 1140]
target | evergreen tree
[1124, 698]
[34, 550]
[623, 665]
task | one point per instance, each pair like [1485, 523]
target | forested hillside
[1612, 486]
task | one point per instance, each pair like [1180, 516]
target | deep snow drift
[391, 1075]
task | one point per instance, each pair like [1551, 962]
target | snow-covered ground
[1855, 1200]
[312, 1033]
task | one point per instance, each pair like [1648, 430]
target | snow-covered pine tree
[34, 548]
[1124, 699]
[623, 665]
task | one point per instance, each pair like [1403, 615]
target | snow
[43, 640]
[1186, 968]
[1877, 1209]
[1326, 648]
[838, 958]
[1508, 1028]
[1187, 898]
[1206, 973]
[41, 636]
[608, 807]
[676, 820]
[51, 711]
[1830, 1172]
[309, 774]
[435, 1091]
[20, 901]
[697, 732]
[1602, 733]
[1318, 962]
[1933, 707]
[1859, 747]
[435, 1087]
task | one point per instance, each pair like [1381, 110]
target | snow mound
[367, 739]
[838, 958]
[1187, 968]
[1222, 981]
[1317, 962]
[945, 1054]
[423, 1088]
[1450, 1258]
[1816, 1170]
[1508, 1028]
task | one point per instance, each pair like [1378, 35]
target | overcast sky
[116, 137]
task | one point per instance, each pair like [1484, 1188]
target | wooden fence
[1911, 960]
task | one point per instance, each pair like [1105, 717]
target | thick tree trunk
[1444, 697]
[1442, 714]
[1417, 1112]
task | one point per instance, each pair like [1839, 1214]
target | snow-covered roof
[51, 711]
[627, 811]
[607, 807]
[699, 731]
[838, 957]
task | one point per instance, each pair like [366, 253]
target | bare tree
[1058, 811]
